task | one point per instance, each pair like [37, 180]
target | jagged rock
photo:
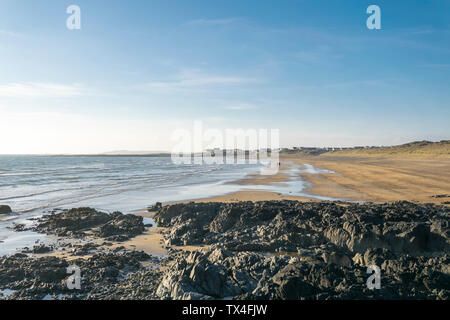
[71, 222]
[5, 209]
[41, 249]
[104, 276]
[332, 245]
[287, 226]
[74, 223]
[262, 250]
[121, 227]
[155, 207]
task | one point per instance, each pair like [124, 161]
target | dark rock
[35, 278]
[295, 288]
[5, 209]
[18, 227]
[322, 250]
[75, 222]
[41, 249]
[285, 226]
[122, 227]
[262, 250]
[155, 207]
[71, 222]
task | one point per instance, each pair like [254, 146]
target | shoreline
[256, 183]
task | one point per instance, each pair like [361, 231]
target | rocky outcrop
[215, 274]
[263, 250]
[5, 209]
[220, 274]
[314, 250]
[121, 227]
[104, 276]
[290, 226]
[75, 222]
[157, 206]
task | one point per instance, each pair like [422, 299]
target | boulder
[5, 209]
[155, 207]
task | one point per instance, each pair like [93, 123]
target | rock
[155, 207]
[5, 209]
[41, 249]
[121, 227]
[18, 227]
[262, 250]
[75, 222]
[216, 273]
[330, 246]
[337, 258]
[71, 222]
[287, 226]
[295, 288]
[35, 278]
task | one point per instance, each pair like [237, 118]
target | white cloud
[241, 106]
[369, 83]
[40, 90]
[194, 79]
[213, 21]
[10, 33]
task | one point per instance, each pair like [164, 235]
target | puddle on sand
[294, 185]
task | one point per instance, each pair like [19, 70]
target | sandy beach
[375, 179]
[381, 179]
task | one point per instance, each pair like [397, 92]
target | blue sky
[138, 70]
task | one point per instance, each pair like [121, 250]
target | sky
[137, 71]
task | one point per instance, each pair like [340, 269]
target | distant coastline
[416, 148]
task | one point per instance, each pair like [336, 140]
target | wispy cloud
[194, 79]
[40, 90]
[210, 22]
[10, 33]
[421, 30]
[437, 65]
[321, 54]
[241, 106]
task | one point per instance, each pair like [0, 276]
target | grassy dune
[425, 149]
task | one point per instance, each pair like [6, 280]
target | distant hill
[132, 153]
[414, 149]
